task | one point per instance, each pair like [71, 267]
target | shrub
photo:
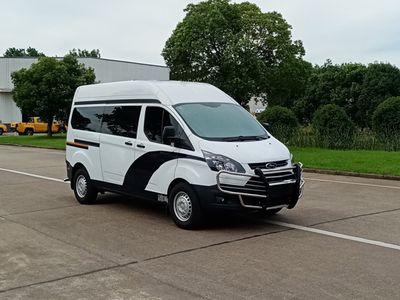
[386, 118]
[386, 123]
[282, 121]
[333, 127]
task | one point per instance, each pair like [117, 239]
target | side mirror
[168, 134]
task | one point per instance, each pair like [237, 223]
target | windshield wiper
[245, 138]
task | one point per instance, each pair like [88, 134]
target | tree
[30, 52]
[289, 82]
[238, 48]
[358, 88]
[85, 53]
[331, 84]
[381, 81]
[47, 87]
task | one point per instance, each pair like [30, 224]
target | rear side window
[87, 118]
[121, 120]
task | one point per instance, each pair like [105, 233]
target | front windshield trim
[223, 139]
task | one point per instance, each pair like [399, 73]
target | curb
[31, 146]
[352, 174]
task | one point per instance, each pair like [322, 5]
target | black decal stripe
[87, 143]
[121, 101]
[119, 189]
[138, 175]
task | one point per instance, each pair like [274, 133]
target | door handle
[128, 143]
[140, 146]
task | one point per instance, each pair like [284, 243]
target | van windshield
[221, 121]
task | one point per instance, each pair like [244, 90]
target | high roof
[167, 92]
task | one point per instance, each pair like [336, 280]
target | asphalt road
[341, 242]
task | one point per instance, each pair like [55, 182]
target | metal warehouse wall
[9, 112]
[106, 70]
[9, 65]
[113, 70]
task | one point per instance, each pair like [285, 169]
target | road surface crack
[354, 217]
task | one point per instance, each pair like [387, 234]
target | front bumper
[265, 189]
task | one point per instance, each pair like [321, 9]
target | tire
[184, 206]
[1, 131]
[85, 192]
[29, 131]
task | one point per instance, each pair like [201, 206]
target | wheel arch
[174, 183]
[75, 168]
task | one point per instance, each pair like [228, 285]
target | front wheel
[84, 190]
[184, 206]
[1, 131]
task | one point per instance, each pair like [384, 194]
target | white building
[106, 70]
[256, 106]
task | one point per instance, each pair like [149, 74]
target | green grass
[359, 161]
[57, 141]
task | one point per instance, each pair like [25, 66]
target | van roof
[167, 92]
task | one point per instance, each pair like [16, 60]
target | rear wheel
[184, 206]
[1, 131]
[84, 190]
[29, 131]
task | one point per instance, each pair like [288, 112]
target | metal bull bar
[258, 184]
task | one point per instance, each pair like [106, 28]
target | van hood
[248, 151]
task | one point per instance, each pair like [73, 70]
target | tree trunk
[49, 125]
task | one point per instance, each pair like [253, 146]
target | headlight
[218, 162]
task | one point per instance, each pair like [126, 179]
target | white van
[187, 144]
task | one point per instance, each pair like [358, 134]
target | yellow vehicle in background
[13, 125]
[3, 128]
[36, 125]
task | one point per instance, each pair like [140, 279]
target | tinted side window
[121, 120]
[87, 118]
[153, 123]
[156, 119]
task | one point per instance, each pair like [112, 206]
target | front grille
[246, 189]
[275, 176]
[256, 186]
[283, 185]
[263, 165]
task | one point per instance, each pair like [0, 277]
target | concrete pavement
[53, 248]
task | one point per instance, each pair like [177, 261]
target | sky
[341, 30]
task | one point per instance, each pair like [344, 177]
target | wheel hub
[182, 206]
[81, 186]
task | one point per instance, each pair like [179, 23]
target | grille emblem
[271, 165]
